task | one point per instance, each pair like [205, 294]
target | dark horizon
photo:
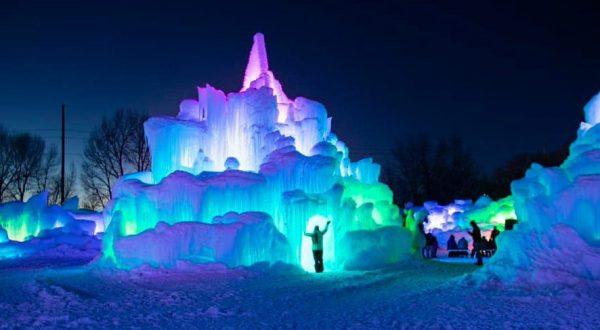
[507, 78]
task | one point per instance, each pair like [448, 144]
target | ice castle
[238, 178]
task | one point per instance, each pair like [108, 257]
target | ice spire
[257, 62]
[258, 75]
[592, 111]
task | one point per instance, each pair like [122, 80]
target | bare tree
[7, 164]
[113, 149]
[28, 152]
[139, 154]
[433, 170]
[44, 177]
[70, 182]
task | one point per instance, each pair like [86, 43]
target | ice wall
[568, 194]
[558, 234]
[256, 150]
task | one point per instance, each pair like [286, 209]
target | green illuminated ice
[22, 221]
[238, 178]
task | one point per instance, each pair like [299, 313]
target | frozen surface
[416, 295]
[256, 150]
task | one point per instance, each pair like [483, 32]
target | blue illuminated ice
[255, 151]
[35, 228]
[558, 235]
[24, 220]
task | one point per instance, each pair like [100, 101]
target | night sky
[508, 78]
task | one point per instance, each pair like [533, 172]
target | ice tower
[239, 177]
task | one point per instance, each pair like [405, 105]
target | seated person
[463, 244]
[462, 249]
[451, 244]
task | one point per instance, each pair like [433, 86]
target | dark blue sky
[507, 77]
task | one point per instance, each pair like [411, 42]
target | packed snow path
[421, 294]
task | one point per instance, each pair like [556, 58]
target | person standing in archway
[317, 246]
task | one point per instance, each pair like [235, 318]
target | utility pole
[62, 157]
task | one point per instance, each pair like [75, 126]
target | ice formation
[35, 228]
[22, 221]
[558, 235]
[256, 151]
[456, 216]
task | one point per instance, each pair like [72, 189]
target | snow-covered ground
[416, 294]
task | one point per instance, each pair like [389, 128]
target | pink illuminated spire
[257, 63]
[258, 75]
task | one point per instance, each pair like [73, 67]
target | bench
[454, 253]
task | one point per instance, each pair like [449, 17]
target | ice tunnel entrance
[307, 260]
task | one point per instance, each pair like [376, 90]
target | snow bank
[234, 239]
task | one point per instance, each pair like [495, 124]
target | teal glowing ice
[256, 150]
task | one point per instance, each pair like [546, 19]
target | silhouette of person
[431, 246]
[485, 246]
[317, 246]
[434, 246]
[493, 236]
[426, 250]
[463, 244]
[476, 234]
[451, 244]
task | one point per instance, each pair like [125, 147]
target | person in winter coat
[477, 242]
[317, 246]
[494, 235]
